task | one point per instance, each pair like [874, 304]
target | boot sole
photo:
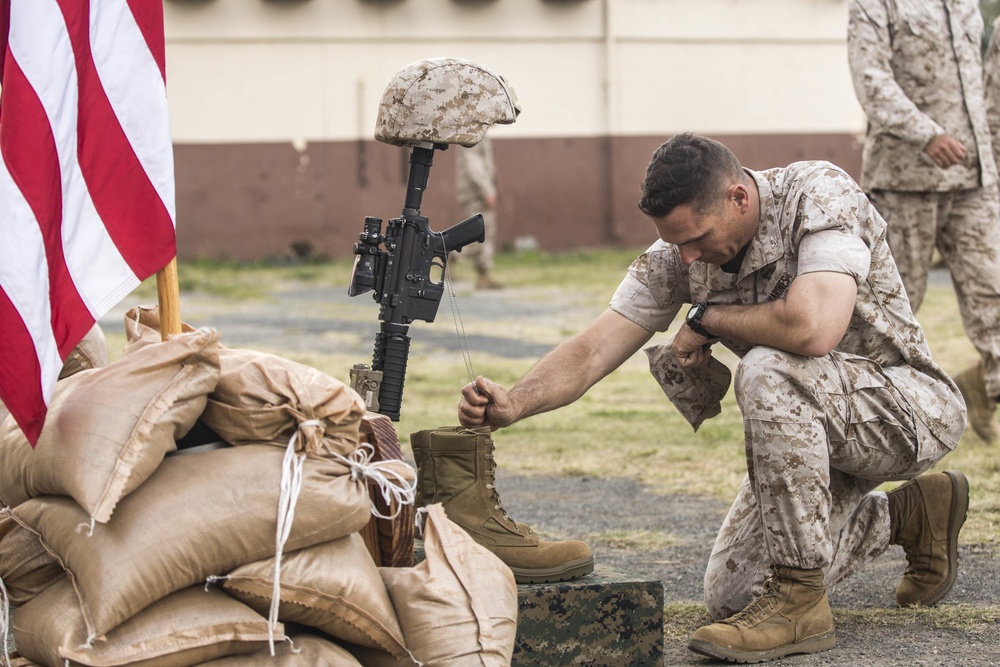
[817, 644]
[959, 512]
[574, 569]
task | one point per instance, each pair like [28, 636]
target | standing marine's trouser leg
[821, 433]
[912, 220]
[969, 242]
[482, 253]
[484, 257]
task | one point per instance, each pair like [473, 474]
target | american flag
[86, 179]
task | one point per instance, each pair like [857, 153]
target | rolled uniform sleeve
[654, 288]
[834, 250]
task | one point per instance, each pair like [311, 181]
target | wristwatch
[693, 319]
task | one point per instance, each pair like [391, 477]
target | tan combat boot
[464, 482]
[487, 281]
[925, 515]
[981, 407]
[792, 615]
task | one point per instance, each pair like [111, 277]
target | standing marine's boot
[925, 516]
[981, 407]
[792, 615]
[487, 281]
[460, 461]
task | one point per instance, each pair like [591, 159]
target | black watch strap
[694, 315]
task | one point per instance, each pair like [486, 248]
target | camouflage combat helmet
[444, 101]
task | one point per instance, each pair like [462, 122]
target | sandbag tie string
[291, 485]
[4, 625]
[394, 486]
[88, 526]
[135, 326]
[419, 519]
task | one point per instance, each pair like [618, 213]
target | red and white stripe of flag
[86, 179]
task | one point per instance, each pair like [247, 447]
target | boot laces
[760, 608]
[491, 486]
[917, 560]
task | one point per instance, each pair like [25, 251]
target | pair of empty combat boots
[455, 467]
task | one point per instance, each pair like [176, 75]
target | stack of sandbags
[274, 521]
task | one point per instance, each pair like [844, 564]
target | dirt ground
[580, 507]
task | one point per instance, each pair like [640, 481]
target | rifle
[405, 269]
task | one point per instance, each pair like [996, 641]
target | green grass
[943, 617]
[250, 281]
[637, 540]
[624, 426]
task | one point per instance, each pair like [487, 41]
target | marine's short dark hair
[688, 169]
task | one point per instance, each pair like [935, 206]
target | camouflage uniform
[991, 83]
[821, 433]
[917, 71]
[475, 172]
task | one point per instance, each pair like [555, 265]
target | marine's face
[714, 237]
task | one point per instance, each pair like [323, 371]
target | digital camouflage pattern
[697, 393]
[606, 619]
[444, 101]
[820, 432]
[476, 191]
[475, 176]
[814, 217]
[962, 225]
[917, 71]
[811, 471]
[991, 79]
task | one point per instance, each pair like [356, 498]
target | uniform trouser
[964, 226]
[821, 435]
[481, 253]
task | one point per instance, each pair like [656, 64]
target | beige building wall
[273, 103]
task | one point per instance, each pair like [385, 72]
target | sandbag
[458, 607]
[186, 628]
[90, 352]
[334, 587]
[26, 569]
[107, 429]
[199, 514]
[20, 661]
[262, 398]
[313, 651]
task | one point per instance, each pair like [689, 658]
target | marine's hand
[945, 150]
[489, 406]
[691, 349]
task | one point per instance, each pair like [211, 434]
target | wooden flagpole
[169, 294]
